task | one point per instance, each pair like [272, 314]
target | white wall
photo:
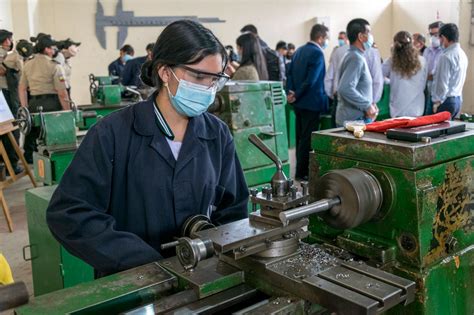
[276, 20]
[5, 14]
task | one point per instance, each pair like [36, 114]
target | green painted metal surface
[58, 128]
[446, 288]
[50, 168]
[53, 269]
[374, 148]
[100, 111]
[104, 80]
[109, 295]
[427, 214]
[209, 277]
[255, 107]
[44, 249]
[290, 125]
[109, 94]
[325, 122]
[384, 103]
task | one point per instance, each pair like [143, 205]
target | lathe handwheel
[360, 194]
[191, 251]
[195, 224]
[24, 120]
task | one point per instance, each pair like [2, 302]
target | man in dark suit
[305, 90]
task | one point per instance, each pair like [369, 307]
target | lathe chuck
[359, 192]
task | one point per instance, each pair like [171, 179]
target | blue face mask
[370, 42]
[341, 42]
[191, 99]
[127, 57]
[325, 44]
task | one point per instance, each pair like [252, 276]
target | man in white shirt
[450, 73]
[331, 78]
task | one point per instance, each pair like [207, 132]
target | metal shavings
[310, 261]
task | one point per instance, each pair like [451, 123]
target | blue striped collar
[162, 124]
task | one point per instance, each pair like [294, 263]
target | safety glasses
[211, 80]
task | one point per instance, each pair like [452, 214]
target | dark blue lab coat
[124, 194]
[131, 72]
[116, 67]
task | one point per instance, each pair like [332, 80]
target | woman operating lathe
[142, 171]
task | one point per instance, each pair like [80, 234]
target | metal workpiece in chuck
[346, 198]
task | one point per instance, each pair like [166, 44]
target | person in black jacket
[142, 171]
[116, 67]
[132, 69]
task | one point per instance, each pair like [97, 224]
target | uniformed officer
[11, 64]
[142, 171]
[47, 85]
[24, 49]
[67, 49]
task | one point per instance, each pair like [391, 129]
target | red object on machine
[382, 126]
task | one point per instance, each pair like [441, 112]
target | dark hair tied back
[146, 73]
[183, 42]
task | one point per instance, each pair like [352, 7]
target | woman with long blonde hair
[407, 72]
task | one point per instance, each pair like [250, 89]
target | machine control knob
[293, 191]
[304, 186]
[268, 193]
[253, 192]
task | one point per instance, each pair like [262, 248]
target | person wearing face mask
[305, 90]
[450, 73]
[355, 81]
[131, 71]
[116, 67]
[11, 65]
[431, 55]
[419, 42]
[46, 81]
[6, 46]
[142, 171]
[330, 81]
[252, 62]
[67, 49]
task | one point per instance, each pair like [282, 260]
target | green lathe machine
[106, 98]
[52, 266]
[424, 229]
[252, 266]
[57, 141]
[255, 107]
[387, 227]
[59, 137]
